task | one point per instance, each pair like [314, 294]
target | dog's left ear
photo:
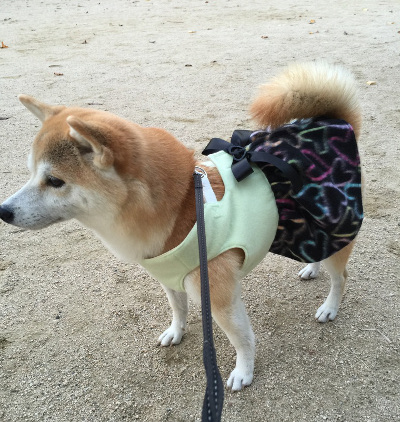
[41, 110]
[91, 137]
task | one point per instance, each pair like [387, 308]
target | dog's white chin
[28, 224]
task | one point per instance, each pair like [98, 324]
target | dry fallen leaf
[3, 45]
[371, 83]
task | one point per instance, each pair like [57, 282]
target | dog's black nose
[6, 215]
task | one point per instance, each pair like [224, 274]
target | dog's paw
[310, 271]
[239, 379]
[172, 335]
[326, 313]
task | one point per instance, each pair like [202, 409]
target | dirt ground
[78, 329]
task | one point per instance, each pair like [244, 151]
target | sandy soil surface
[78, 329]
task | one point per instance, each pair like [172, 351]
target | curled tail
[306, 90]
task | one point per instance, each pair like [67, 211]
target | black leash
[243, 157]
[214, 395]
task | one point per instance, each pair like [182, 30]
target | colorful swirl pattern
[327, 213]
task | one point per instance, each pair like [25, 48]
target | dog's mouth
[47, 224]
[42, 224]
[32, 222]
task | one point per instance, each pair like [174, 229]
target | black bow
[243, 157]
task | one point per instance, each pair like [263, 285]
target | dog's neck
[187, 214]
[159, 210]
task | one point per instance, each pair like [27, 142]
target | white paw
[172, 335]
[326, 313]
[239, 379]
[310, 271]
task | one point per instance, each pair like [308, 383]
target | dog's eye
[54, 182]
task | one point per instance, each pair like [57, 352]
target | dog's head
[110, 174]
[76, 162]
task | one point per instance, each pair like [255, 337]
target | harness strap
[243, 156]
[214, 395]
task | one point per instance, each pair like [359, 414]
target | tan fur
[216, 182]
[307, 90]
[339, 261]
[340, 258]
[223, 271]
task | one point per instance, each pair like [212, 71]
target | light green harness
[245, 218]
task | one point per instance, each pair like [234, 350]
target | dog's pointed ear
[41, 110]
[91, 137]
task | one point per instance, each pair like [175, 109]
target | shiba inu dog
[133, 187]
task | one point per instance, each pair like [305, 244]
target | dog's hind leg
[179, 305]
[336, 267]
[310, 271]
[229, 312]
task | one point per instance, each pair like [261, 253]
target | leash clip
[199, 170]
[208, 191]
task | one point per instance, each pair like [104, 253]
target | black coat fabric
[313, 167]
[326, 214]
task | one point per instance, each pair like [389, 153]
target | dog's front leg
[179, 305]
[236, 324]
[229, 312]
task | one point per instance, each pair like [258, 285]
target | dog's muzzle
[6, 215]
